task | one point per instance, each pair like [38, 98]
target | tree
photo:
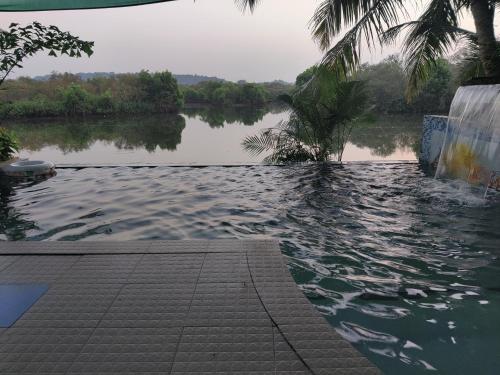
[161, 90]
[322, 116]
[18, 43]
[427, 38]
[386, 88]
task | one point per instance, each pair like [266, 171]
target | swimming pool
[405, 267]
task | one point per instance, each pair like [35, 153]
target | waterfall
[471, 148]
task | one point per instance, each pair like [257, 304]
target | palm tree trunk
[484, 14]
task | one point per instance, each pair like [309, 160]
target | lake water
[197, 137]
[405, 267]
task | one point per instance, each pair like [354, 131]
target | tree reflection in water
[387, 134]
[383, 137]
[72, 135]
[217, 117]
[13, 225]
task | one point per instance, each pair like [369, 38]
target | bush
[8, 144]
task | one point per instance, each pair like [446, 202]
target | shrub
[8, 144]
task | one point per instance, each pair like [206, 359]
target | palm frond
[246, 4]
[468, 60]
[259, 143]
[367, 18]
[428, 39]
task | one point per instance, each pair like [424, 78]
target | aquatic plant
[8, 144]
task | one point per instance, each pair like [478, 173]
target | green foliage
[8, 144]
[322, 116]
[18, 43]
[223, 93]
[340, 27]
[305, 76]
[75, 100]
[468, 61]
[68, 95]
[385, 83]
[160, 89]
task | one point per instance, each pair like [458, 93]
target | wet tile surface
[166, 307]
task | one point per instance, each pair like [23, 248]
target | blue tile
[15, 299]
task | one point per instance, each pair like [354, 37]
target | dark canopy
[34, 5]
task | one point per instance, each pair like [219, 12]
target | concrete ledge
[169, 307]
[129, 247]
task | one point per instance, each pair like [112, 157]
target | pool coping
[302, 341]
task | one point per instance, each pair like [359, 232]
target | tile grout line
[274, 321]
[10, 264]
[189, 309]
[104, 314]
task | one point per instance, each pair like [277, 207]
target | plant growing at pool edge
[8, 145]
[18, 43]
[323, 113]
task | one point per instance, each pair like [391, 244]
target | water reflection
[218, 117]
[203, 136]
[14, 225]
[74, 135]
[385, 135]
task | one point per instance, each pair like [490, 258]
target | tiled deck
[166, 307]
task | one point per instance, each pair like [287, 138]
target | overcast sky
[209, 37]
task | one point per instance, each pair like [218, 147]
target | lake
[196, 137]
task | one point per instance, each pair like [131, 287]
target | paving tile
[6, 261]
[181, 246]
[225, 267]
[112, 269]
[40, 350]
[167, 307]
[225, 349]
[71, 305]
[226, 304]
[73, 247]
[128, 350]
[168, 269]
[35, 268]
[150, 306]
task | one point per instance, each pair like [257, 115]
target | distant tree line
[386, 87]
[144, 92]
[387, 84]
[241, 93]
[69, 95]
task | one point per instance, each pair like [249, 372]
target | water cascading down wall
[471, 146]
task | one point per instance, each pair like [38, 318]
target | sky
[206, 37]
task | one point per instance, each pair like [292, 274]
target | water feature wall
[471, 146]
[433, 135]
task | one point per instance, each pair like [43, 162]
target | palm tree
[322, 116]
[427, 38]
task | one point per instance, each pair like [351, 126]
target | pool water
[403, 266]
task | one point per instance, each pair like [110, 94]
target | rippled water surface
[402, 265]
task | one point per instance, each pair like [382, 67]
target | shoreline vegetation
[85, 94]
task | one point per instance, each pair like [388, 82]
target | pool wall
[433, 136]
